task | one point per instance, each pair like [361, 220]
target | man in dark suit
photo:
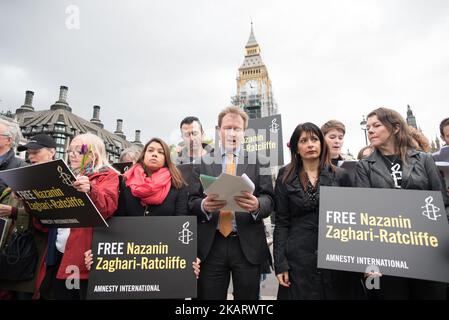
[192, 134]
[232, 242]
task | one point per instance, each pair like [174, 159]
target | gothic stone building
[60, 123]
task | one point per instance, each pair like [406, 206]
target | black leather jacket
[419, 173]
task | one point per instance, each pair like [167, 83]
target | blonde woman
[66, 246]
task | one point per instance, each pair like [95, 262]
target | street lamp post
[363, 127]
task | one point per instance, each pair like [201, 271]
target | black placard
[47, 192]
[144, 258]
[403, 233]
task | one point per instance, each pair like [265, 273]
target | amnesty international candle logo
[65, 177]
[185, 235]
[143, 258]
[396, 173]
[274, 127]
[431, 211]
[47, 192]
[386, 228]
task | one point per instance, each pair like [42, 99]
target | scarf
[150, 190]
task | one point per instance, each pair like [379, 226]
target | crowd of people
[230, 243]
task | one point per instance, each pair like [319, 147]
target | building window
[119, 145]
[60, 153]
[59, 128]
[60, 141]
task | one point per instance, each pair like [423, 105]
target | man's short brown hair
[235, 110]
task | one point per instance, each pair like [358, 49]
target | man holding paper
[232, 241]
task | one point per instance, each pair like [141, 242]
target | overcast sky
[152, 63]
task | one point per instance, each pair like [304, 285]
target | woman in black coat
[296, 229]
[395, 164]
[153, 186]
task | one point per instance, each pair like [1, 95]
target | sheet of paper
[206, 180]
[442, 155]
[227, 186]
[443, 166]
[348, 164]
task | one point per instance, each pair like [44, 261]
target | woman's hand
[88, 259]
[196, 267]
[82, 184]
[283, 279]
[5, 210]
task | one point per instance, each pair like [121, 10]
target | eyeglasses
[4, 135]
[76, 151]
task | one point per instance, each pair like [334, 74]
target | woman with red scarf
[153, 186]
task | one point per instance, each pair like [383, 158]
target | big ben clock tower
[254, 93]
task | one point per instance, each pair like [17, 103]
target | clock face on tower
[251, 87]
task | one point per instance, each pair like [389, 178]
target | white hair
[13, 131]
[132, 152]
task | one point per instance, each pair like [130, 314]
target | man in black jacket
[232, 242]
[192, 134]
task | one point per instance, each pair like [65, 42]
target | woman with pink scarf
[153, 186]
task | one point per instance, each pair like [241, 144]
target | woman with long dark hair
[396, 164]
[297, 195]
[153, 186]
